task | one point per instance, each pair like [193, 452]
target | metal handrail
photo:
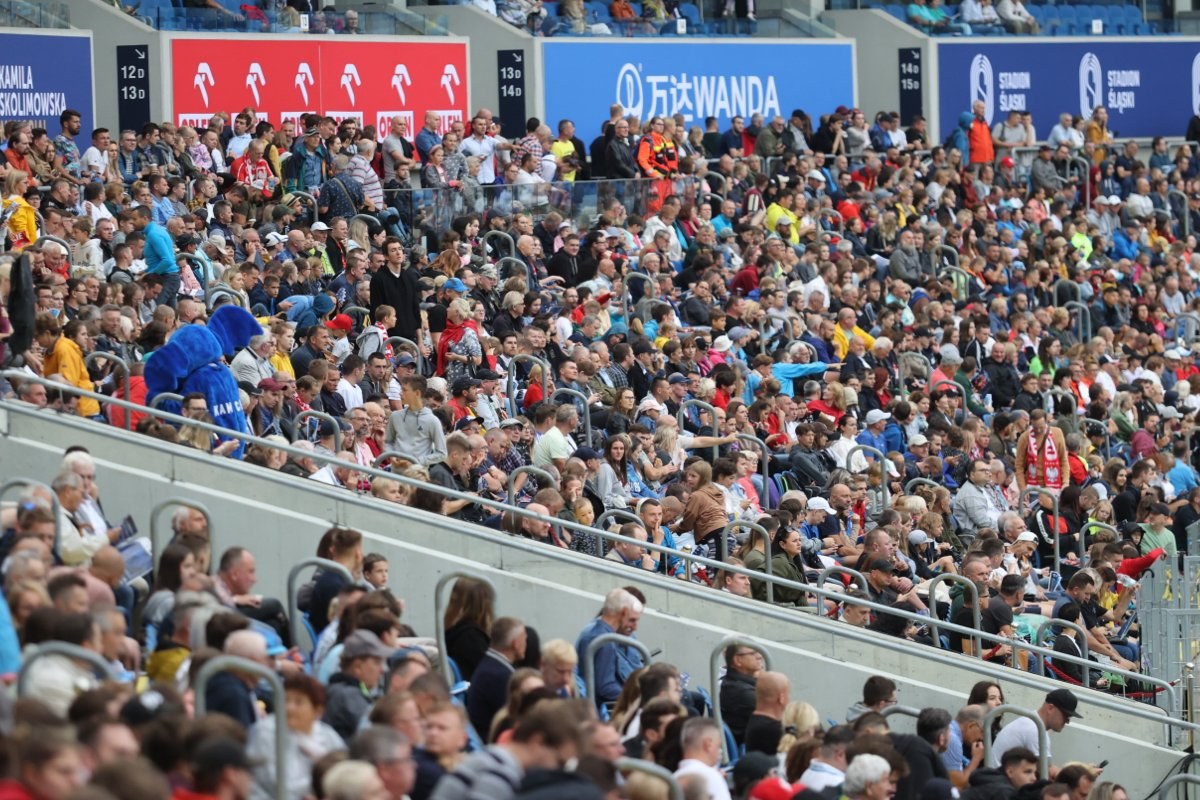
[1087, 179]
[510, 386]
[816, 357]
[768, 568]
[55, 507]
[909, 355]
[300, 194]
[439, 622]
[712, 415]
[629, 278]
[586, 413]
[91, 359]
[674, 792]
[537, 472]
[364, 312]
[1134, 709]
[1108, 436]
[616, 513]
[45, 237]
[525, 268]
[512, 244]
[1039, 639]
[236, 664]
[766, 465]
[417, 352]
[52, 648]
[908, 487]
[1072, 286]
[1084, 321]
[163, 396]
[714, 677]
[976, 615]
[838, 569]
[589, 659]
[1185, 219]
[953, 259]
[841, 222]
[1038, 490]
[958, 388]
[156, 547]
[1092, 523]
[957, 276]
[904, 711]
[1043, 736]
[883, 483]
[1173, 781]
[389, 454]
[1191, 332]
[321, 415]
[295, 624]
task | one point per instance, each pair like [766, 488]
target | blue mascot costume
[193, 361]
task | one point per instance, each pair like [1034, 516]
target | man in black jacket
[923, 752]
[396, 285]
[742, 666]
[1003, 378]
[489, 685]
[1018, 768]
[619, 162]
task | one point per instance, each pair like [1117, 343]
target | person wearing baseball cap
[1061, 706]
[872, 432]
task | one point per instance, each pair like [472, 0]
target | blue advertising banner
[1150, 88]
[43, 75]
[696, 79]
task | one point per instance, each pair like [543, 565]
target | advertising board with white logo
[282, 79]
[1142, 84]
[695, 79]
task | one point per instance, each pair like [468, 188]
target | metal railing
[244, 665]
[511, 385]
[321, 415]
[1164, 791]
[528, 469]
[388, 455]
[418, 354]
[976, 614]
[882, 456]
[1030, 491]
[1043, 737]
[691, 402]
[859, 578]
[589, 659]
[295, 623]
[162, 397]
[714, 677]
[1083, 322]
[439, 622]
[156, 544]
[575, 394]
[90, 360]
[754, 441]
[1071, 287]
[631, 278]
[913, 355]
[205, 278]
[55, 507]
[1141, 711]
[1086, 171]
[674, 791]
[1185, 218]
[40, 651]
[768, 568]
[1081, 639]
[908, 487]
[497, 234]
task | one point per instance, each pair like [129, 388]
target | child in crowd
[375, 570]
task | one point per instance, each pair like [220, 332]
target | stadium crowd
[659, 316]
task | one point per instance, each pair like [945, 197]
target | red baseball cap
[773, 788]
[341, 322]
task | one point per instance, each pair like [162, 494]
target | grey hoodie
[419, 435]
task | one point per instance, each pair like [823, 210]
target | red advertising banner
[343, 77]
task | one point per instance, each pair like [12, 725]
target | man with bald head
[232, 693]
[534, 528]
[764, 729]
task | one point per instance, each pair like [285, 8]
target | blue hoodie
[958, 139]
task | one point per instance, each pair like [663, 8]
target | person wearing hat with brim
[1060, 707]
[352, 689]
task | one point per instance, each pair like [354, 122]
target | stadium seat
[598, 12]
[551, 8]
[692, 14]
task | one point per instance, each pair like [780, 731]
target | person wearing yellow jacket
[64, 356]
[22, 220]
[846, 328]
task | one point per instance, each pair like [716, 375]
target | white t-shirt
[485, 149]
[1021, 732]
[552, 445]
[238, 145]
[93, 162]
[351, 393]
[718, 789]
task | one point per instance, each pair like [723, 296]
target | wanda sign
[372, 81]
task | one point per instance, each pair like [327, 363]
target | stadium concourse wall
[1150, 84]
[557, 591]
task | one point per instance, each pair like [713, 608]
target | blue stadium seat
[551, 7]
[598, 12]
[692, 14]
[637, 8]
